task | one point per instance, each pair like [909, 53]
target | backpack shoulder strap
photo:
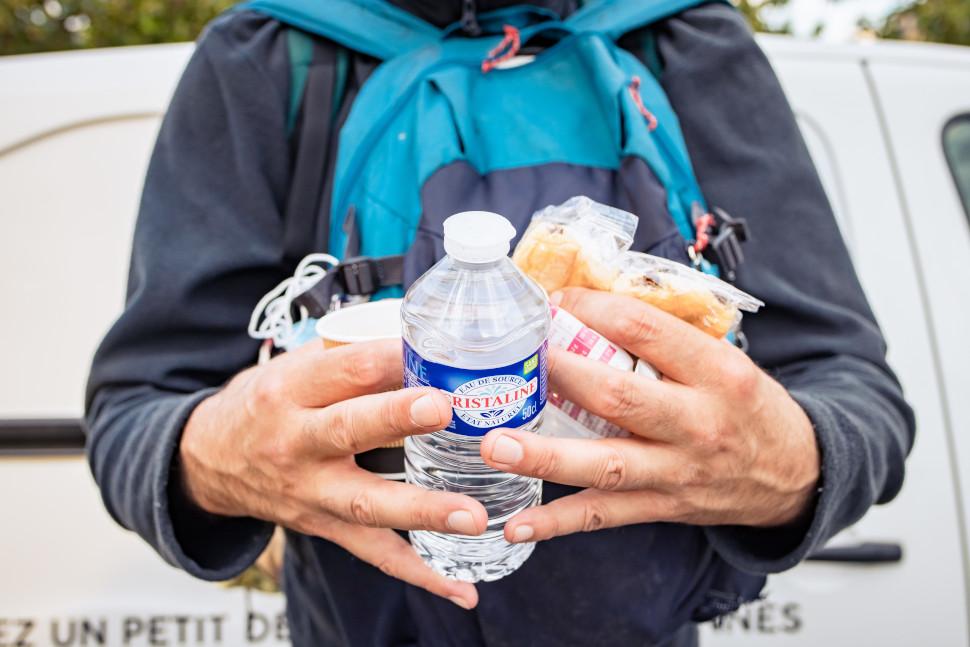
[299, 46]
[373, 27]
[650, 53]
[318, 77]
[617, 17]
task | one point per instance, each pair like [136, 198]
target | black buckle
[725, 248]
[316, 300]
[359, 276]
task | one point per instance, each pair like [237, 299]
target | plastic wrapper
[575, 244]
[565, 419]
[582, 243]
[700, 299]
[569, 333]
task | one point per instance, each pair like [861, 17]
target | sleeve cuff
[773, 550]
[207, 546]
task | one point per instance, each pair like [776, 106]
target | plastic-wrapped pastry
[575, 244]
[699, 299]
[547, 253]
[585, 244]
[582, 243]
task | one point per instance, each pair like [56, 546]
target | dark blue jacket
[209, 243]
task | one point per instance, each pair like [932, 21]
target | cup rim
[354, 311]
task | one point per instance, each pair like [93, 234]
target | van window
[956, 147]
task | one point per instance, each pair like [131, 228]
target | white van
[889, 127]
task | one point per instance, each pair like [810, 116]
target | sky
[839, 16]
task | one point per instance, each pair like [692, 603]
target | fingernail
[424, 412]
[462, 522]
[522, 533]
[555, 298]
[462, 603]
[506, 450]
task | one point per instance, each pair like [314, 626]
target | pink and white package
[569, 333]
[566, 419]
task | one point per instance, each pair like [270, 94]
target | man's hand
[278, 443]
[716, 441]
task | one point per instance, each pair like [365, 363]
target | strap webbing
[312, 153]
[360, 276]
[651, 54]
[319, 97]
[374, 27]
[299, 46]
[617, 17]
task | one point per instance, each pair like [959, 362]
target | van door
[925, 114]
[878, 596]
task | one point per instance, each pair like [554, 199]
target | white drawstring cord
[273, 316]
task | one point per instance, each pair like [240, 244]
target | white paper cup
[363, 322]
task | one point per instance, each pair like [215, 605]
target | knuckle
[639, 325]
[280, 451]
[423, 516]
[718, 438]
[670, 415]
[711, 438]
[300, 520]
[342, 432]
[365, 369]
[594, 516]
[396, 414]
[619, 394]
[554, 526]
[387, 566]
[611, 474]
[545, 465]
[330, 504]
[289, 517]
[362, 509]
[741, 376]
[310, 431]
[677, 508]
[268, 391]
[323, 526]
[693, 474]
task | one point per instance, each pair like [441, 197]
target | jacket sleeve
[207, 246]
[817, 334]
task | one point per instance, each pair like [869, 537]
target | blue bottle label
[482, 400]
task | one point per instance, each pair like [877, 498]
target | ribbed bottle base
[451, 463]
[485, 558]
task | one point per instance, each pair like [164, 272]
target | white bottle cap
[478, 236]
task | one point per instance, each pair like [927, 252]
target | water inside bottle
[477, 329]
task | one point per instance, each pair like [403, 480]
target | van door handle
[867, 552]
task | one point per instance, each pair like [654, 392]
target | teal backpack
[448, 123]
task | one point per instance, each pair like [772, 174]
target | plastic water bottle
[475, 327]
